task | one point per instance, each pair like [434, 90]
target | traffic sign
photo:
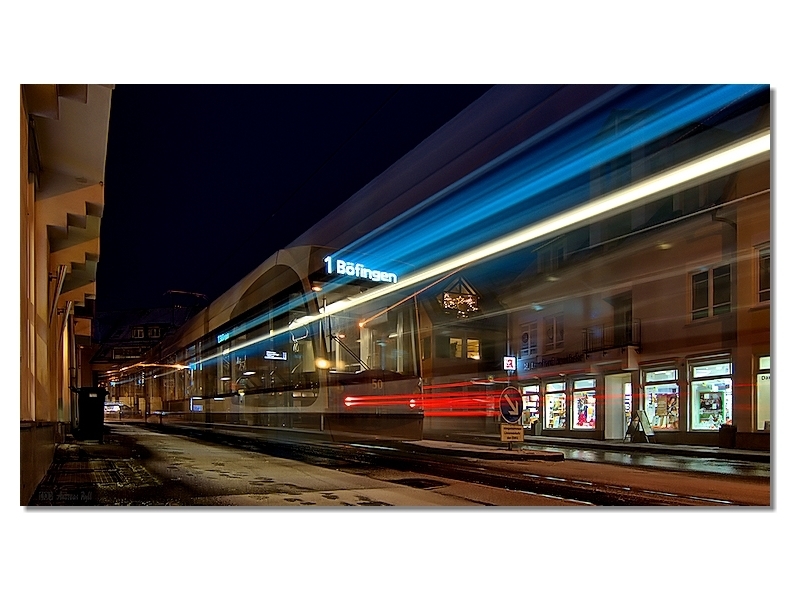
[509, 363]
[510, 433]
[511, 405]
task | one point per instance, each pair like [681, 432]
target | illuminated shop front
[711, 395]
[531, 395]
[763, 389]
[584, 404]
[555, 406]
[662, 398]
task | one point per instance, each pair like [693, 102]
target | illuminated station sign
[356, 269]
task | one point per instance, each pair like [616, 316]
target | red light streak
[456, 403]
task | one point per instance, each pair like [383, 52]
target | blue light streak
[526, 188]
[536, 179]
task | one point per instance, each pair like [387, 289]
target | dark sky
[203, 183]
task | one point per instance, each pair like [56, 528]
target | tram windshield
[278, 354]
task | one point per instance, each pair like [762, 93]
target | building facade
[673, 320]
[63, 142]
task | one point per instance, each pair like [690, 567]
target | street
[142, 466]
[153, 469]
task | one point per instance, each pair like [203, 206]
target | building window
[584, 404]
[764, 274]
[531, 396]
[710, 292]
[662, 398]
[473, 349]
[555, 333]
[138, 332]
[153, 331]
[456, 348]
[555, 404]
[529, 339]
[711, 395]
[551, 256]
[764, 393]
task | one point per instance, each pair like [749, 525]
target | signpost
[511, 405]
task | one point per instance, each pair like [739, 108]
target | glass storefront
[662, 396]
[584, 404]
[763, 389]
[711, 395]
[555, 404]
[531, 395]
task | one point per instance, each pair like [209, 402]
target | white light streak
[744, 153]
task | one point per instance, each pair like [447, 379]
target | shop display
[662, 399]
[531, 400]
[584, 410]
[711, 396]
[555, 410]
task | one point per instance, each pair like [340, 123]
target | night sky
[203, 183]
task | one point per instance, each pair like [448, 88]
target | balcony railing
[610, 336]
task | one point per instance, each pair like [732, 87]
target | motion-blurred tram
[616, 261]
[294, 347]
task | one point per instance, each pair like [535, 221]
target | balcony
[605, 337]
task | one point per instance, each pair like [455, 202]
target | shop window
[531, 395]
[555, 405]
[584, 404]
[555, 333]
[138, 332]
[711, 395]
[764, 393]
[529, 339]
[662, 395]
[764, 274]
[710, 292]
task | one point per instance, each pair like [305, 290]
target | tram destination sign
[336, 266]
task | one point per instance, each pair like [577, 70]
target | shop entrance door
[617, 405]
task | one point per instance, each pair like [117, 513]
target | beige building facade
[673, 321]
[63, 145]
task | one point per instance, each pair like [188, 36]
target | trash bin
[536, 428]
[88, 422]
[727, 434]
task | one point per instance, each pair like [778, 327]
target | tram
[294, 349]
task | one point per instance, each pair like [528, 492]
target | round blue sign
[511, 405]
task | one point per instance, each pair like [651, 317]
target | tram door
[617, 405]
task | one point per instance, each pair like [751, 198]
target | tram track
[360, 457]
[588, 492]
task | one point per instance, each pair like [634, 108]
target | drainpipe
[61, 277]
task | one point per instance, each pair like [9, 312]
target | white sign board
[511, 433]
